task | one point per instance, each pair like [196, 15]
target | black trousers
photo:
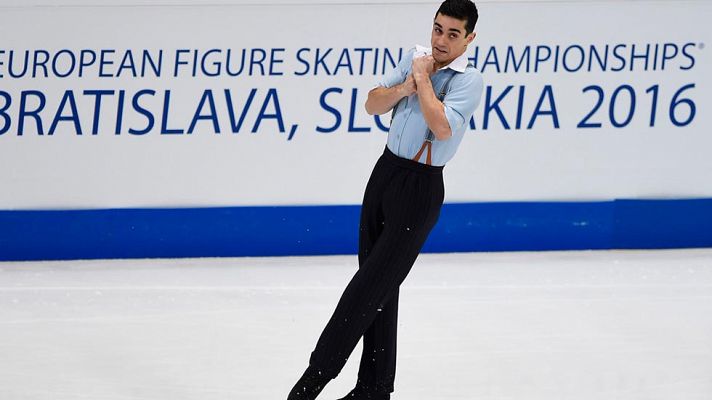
[401, 204]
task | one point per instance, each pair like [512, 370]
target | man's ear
[471, 37]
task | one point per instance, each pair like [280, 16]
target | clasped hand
[422, 66]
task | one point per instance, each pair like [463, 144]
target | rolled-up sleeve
[397, 74]
[462, 99]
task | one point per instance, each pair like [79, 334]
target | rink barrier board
[323, 230]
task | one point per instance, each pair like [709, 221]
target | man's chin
[443, 59]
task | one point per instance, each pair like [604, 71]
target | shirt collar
[459, 64]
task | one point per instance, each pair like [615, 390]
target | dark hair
[462, 10]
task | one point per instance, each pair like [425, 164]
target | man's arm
[382, 99]
[433, 109]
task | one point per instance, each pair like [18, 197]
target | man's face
[448, 38]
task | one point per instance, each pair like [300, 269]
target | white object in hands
[421, 51]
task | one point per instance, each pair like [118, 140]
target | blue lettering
[513, 61]
[97, 106]
[667, 55]
[547, 94]
[490, 106]
[74, 116]
[164, 120]
[38, 62]
[344, 61]
[352, 114]
[216, 64]
[602, 62]
[379, 123]
[337, 114]
[8, 100]
[231, 111]
[103, 62]
[582, 58]
[34, 114]
[688, 56]
[179, 62]
[274, 60]
[72, 63]
[645, 56]
[83, 61]
[127, 63]
[147, 60]
[619, 57]
[271, 94]
[612, 106]
[228, 63]
[540, 58]
[584, 122]
[319, 60]
[142, 111]
[475, 56]
[120, 112]
[520, 107]
[302, 61]
[491, 59]
[11, 63]
[212, 116]
[258, 61]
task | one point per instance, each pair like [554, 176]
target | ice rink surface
[573, 325]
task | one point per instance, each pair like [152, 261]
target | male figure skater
[401, 202]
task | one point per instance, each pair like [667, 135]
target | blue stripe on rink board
[315, 230]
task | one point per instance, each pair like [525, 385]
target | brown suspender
[428, 142]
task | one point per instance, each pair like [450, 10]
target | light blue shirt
[408, 129]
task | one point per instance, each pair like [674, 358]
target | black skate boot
[309, 385]
[361, 392]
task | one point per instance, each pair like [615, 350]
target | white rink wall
[321, 68]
